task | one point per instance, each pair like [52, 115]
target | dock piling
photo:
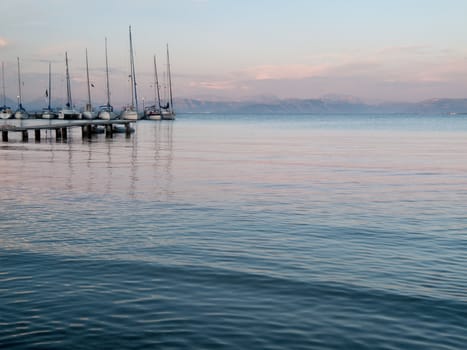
[61, 129]
[109, 130]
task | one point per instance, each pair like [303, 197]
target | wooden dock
[61, 128]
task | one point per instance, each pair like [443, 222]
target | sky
[375, 51]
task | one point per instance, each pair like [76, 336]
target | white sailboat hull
[106, 115]
[49, 115]
[168, 116]
[6, 115]
[69, 114]
[154, 117]
[21, 114]
[129, 115]
[152, 113]
[88, 115]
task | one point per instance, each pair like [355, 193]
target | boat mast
[88, 107]
[20, 105]
[169, 80]
[156, 86]
[68, 84]
[3, 84]
[107, 74]
[134, 97]
[50, 85]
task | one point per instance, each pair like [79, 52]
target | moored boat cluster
[158, 111]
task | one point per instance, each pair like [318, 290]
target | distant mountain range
[325, 105]
[321, 106]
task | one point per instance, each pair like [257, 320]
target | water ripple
[250, 232]
[182, 301]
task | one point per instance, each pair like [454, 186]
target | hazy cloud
[213, 85]
[286, 71]
[405, 50]
[393, 73]
[3, 42]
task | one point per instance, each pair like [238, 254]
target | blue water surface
[238, 232]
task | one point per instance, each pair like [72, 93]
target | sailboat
[48, 113]
[20, 113]
[68, 112]
[168, 112]
[107, 111]
[5, 111]
[88, 113]
[131, 112]
[154, 112]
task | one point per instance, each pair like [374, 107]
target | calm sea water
[238, 232]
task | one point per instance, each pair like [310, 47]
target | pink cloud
[3, 42]
[417, 71]
[440, 75]
[286, 71]
[213, 85]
